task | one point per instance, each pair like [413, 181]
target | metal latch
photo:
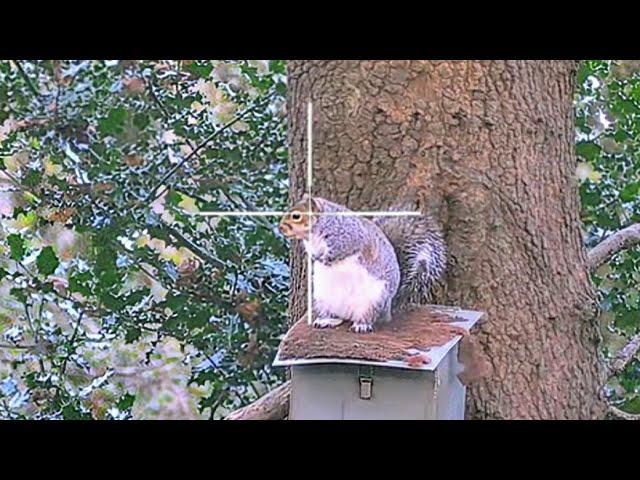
[365, 378]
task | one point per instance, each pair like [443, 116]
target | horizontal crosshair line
[239, 214]
[366, 214]
[313, 214]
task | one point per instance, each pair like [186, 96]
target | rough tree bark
[488, 147]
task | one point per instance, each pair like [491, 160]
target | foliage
[608, 146]
[115, 300]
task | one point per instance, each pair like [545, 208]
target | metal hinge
[365, 378]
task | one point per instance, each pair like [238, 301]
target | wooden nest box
[405, 370]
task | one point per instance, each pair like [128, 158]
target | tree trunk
[488, 148]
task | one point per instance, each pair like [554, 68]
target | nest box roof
[418, 339]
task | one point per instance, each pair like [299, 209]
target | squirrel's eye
[296, 217]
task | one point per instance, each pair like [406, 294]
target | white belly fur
[317, 246]
[345, 289]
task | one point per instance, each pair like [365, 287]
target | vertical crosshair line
[309, 180]
[309, 149]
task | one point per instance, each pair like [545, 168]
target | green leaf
[588, 150]
[32, 178]
[626, 319]
[175, 302]
[173, 198]
[47, 261]
[629, 107]
[604, 220]
[199, 320]
[16, 244]
[632, 406]
[80, 282]
[590, 198]
[630, 192]
[111, 301]
[31, 379]
[140, 120]
[114, 122]
[199, 69]
[620, 136]
[19, 293]
[125, 402]
[136, 297]
[277, 66]
[70, 412]
[106, 259]
[132, 334]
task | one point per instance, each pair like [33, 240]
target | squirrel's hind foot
[361, 328]
[327, 322]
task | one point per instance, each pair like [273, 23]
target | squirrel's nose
[284, 228]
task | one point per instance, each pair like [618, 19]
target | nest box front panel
[334, 392]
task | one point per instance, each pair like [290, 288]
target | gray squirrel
[364, 270]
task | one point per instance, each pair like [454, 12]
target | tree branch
[155, 98]
[621, 415]
[620, 240]
[71, 342]
[11, 346]
[26, 78]
[624, 356]
[272, 406]
[194, 248]
[154, 195]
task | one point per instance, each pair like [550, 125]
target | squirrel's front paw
[322, 258]
[361, 328]
[327, 322]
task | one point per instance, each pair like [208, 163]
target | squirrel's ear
[316, 204]
[304, 200]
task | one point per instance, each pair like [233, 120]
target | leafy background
[608, 146]
[117, 302]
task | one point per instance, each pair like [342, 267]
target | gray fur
[420, 247]
[410, 253]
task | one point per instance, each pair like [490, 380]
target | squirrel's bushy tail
[420, 248]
